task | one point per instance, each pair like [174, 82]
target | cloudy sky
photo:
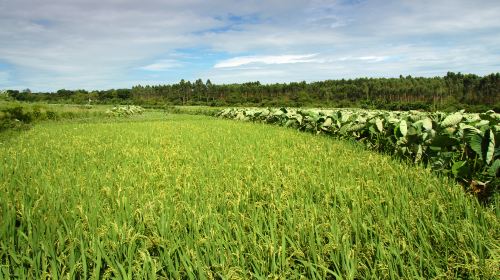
[99, 44]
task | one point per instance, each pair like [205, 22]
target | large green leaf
[494, 168]
[452, 120]
[427, 124]
[484, 146]
[290, 122]
[444, 140]
[412, 131]
[327, 124]
[403, 127]
[418, 154]
[475, 140]
[468, 128]
[490, 116]
[420, 125]
[355, 127]
[488, 146]
[240, 116]
[460, 169]
[379, 124]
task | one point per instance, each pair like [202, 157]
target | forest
[449, 93]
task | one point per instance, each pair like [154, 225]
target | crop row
[464, 146]
[122, 111]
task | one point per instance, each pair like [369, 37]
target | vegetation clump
[19, 115]
[124, 111]
[464, 146]
[15, 118]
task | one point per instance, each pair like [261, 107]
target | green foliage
[17, 115]
[461, 145]
[450, 93]
[125, 111]
[192, 197]
[192, 110]
[51, 115]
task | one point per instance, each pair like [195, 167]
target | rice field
[194, 197]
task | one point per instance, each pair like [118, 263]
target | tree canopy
[453, 91]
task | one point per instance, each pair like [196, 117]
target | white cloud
[268, 59]
[98, 44]
[369, 58]
[162, 65]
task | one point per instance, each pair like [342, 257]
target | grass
[200, 198]
[193, 110]
[58, 108]
[19, 115]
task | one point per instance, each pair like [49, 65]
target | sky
[46, 45]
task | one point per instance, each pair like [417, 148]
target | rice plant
[193, 197]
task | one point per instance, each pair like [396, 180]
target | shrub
[51, 115]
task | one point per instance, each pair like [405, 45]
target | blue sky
[100, 44]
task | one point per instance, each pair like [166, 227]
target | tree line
[451, 92]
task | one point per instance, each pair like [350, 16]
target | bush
[51, 115]
[38, 114]
[122, 111]
[15, 117]
[17, 113]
